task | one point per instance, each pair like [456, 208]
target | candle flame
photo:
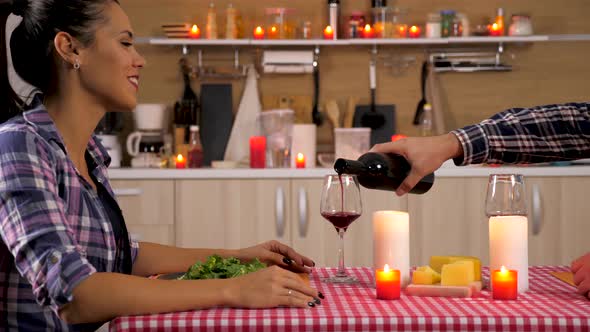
[503, 270]
[414, 29]
[367, 27]
[386, 268]
[273, 29]
[195, 29]
[329, 29]
[179, 158]
[258, 30]
[300, 157]
[495, 27]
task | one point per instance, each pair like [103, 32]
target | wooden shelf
[372, 42]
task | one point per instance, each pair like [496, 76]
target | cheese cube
[459, 273]
[437, 262]
[422, 278]
[425, 270]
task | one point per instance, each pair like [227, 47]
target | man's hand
[425, 155]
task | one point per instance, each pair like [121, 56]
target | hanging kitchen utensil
[373, 119]
[422, 102]
[316, 116]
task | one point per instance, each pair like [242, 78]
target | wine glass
[341, 205]
[506, 195]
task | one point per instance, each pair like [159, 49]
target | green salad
[221, 268]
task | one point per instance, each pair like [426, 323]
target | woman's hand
[276, 253]
[425, 154]
[581, 269]
[271, 287]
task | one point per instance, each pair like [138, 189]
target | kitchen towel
[238, 148]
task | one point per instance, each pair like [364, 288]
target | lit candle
[195, 32]
[180, 161]
[504, 284]
[257, 151]
[495, 30]
[391, 242]
[328, 33]
[273, 32]
[508, 239]
[387, 283]
[368, 31]
[397, 137]
[258, 33]
[414, 31]
[300, 161]
[402, 31]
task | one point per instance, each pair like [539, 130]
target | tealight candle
[258, 33]
[273, 32]
[195, 32]
[328, 32]
[257, 151]
[504, 284]
[367, 31]
[300, 161]
[180, 161]
[387, 283]
[495, 30]
[414, 31]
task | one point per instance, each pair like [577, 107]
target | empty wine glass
[506, 195]
[341, 205]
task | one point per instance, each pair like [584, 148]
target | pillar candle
[180, 161]
[504, 284]
[391, 242]
[367, 31]
[387, 283]
[257, 151]
[509, 246]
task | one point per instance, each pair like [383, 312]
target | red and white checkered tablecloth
[549, 305]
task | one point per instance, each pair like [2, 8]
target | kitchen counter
[448, 170]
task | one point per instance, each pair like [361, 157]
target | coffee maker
[147, 144]
[107, 132]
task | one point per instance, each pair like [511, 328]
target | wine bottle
[383, 171]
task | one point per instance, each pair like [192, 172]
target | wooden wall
[543, 72]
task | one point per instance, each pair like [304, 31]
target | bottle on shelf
[211, 28]
[334, 17]
[426, 121]
[500, 21]
[231, 22]
[195, 152]
[383, 171]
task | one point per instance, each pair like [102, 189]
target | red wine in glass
[341, 220]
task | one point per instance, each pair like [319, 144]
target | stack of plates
[176, 30]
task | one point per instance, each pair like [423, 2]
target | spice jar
[433, 29]
[356, 24]
[457, 30]
[446, 23]
[521, 25]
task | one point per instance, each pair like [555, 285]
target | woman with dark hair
[66, 260]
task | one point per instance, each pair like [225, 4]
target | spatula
[372, 119]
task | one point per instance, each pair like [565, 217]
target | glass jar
[400, 26]
[521, 25]
[457, 30]
[382, 22]
[446, 22]
[433, 29]
[279, 23]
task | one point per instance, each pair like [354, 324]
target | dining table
[549, 305]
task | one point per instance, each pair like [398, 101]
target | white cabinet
[148, 209]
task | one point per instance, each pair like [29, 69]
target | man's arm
[528, 135]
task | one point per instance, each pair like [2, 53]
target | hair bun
[19, 7]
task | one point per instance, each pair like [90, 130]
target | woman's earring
[76, 64]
